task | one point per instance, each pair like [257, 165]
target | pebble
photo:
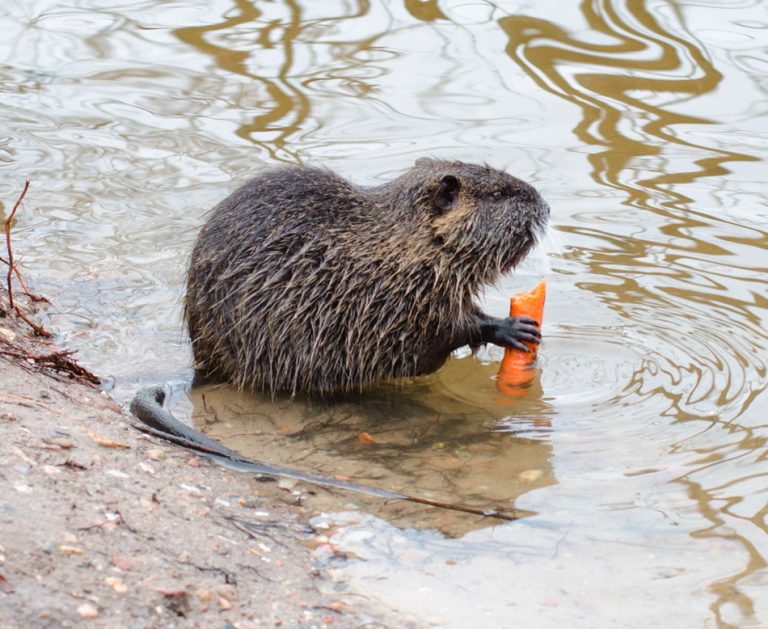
[70, 550]
[531, 475]
[87, 611]
[117, 584]
[157, 455]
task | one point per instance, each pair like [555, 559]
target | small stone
[87, 611]
[117, 584]
[7, 334]
[70, 550]
[156, 455]
[224, 604]
[530, 476]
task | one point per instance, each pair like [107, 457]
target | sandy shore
[103, 526]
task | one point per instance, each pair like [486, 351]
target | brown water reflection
[643, 123]
[631, 93]
[423, 441]
[262, 43]
[284, 105]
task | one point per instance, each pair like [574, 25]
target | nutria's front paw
[514, 332]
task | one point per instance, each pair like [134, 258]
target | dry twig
[12, 269]
[8, 247]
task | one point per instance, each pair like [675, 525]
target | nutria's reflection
[418, 438]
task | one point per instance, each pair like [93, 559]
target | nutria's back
[301, 281]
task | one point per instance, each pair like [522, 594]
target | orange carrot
[517, 366]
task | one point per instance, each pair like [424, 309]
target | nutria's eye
[497, 195]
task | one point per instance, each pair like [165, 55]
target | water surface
[640, 451]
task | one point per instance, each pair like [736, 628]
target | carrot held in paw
[517, 366]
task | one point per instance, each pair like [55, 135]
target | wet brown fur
[303, 282]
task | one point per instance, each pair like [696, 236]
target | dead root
[59, 361]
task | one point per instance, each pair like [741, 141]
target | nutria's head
[478, 216]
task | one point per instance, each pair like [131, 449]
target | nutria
[304, 283]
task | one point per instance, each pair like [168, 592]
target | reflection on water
[641, 449]
[690, 279]
[422, 438]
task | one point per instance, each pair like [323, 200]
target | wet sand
[102, 524]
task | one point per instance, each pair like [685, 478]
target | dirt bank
[103, 526]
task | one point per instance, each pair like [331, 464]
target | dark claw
[513, 332]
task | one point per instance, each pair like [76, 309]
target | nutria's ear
[447, 193]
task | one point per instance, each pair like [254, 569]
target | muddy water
[639, 454]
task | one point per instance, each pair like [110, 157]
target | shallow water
[641, 448]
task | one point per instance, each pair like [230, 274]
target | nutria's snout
[544, 214]
[539, 215]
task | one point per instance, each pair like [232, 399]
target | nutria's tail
[148, 407]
